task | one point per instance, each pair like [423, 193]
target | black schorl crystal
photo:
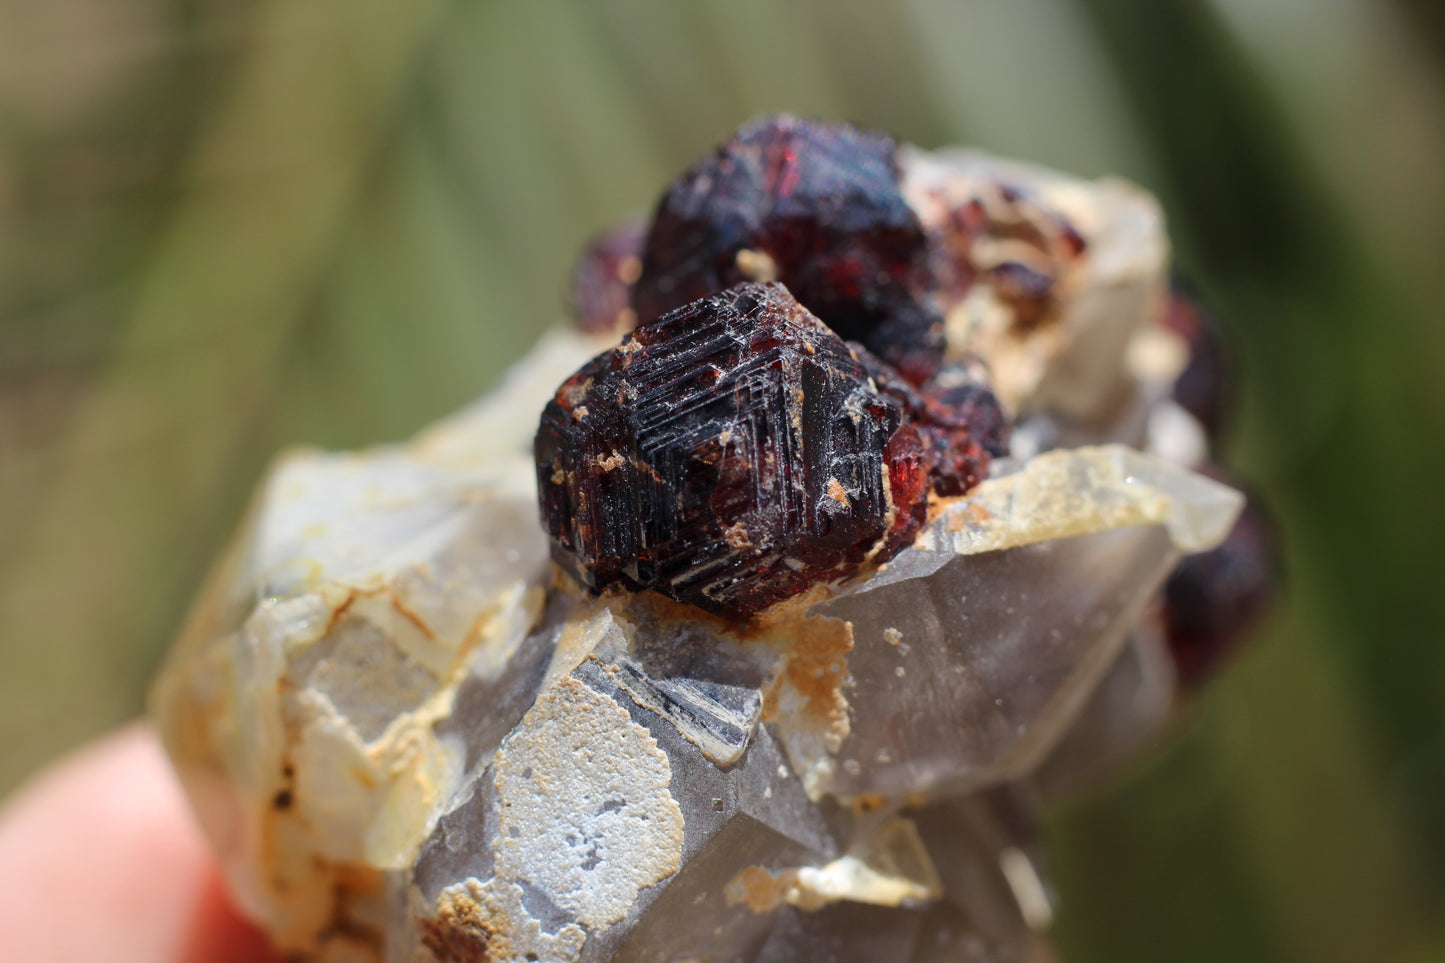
[817, 206]
[729, 454]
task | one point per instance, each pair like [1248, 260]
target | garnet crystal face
[817, 206]
[729, 455]
[960, 425]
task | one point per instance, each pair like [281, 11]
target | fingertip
[100, 858]
[219, 935]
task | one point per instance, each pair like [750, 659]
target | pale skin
[100, 859]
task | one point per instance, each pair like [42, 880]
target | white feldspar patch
[586, 815]
[351, 517]
[363, 591]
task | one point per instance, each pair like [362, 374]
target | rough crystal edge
[1067, 492]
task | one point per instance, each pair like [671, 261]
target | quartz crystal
[830, 623]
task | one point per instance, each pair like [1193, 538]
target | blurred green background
[226, 226]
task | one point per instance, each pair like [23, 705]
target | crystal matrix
[412, 737]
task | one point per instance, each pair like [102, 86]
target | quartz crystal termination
[412, 739]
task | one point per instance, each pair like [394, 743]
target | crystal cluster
[875, 513]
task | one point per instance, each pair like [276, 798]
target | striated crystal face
[824, 636]
[729, 454]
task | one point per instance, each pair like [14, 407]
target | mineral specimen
[824, 633]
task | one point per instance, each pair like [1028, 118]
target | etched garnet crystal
[728, 454]
[960, 424]
[814, 205]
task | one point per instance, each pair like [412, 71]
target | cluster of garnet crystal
[735, 449]
[784, 409]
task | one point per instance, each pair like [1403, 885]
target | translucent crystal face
[412, 737]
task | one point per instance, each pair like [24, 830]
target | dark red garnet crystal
[1202, 388]
[602, 280]
[960, 424]
[729, 454]
[817, 206]
[1214, 599]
